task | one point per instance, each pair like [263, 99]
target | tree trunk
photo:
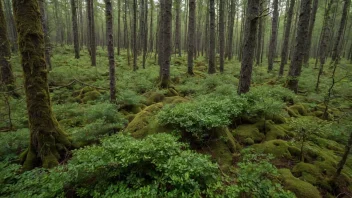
[285, 44]
[178, 29]
[151, 32]
[344, 157]
[6, 77]
[49, 144]
[11, 25]
[75, 28]
[110, 44]
[191, 35]
[44, 20]
[167, 46]
[260, 34]
[222, 34]
[301, 44]
[134, 40]
[212, 66]
[118, 27]
[325, 36]
[229, 48]
[145, 38]
[310, 32]
[273, 40]
[91, 30]
[249, 41]
[336, 49]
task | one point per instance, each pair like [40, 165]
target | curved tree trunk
[191, 35]
[310, 32]
[212, 67]
[6, 77]
[301, 44]
[273, 40]
[336, 49]
[285, 44]
[48, 142]
[75, 28]
[250, 34]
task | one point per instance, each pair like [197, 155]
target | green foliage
[129, 97]
[13, 143]
[122, 167]
[257, 177]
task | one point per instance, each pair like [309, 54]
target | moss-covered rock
[297, 110]
[307, 172]
[275, 132]
[154, 97]
[301, 188]
[279, 148]
[243, 132]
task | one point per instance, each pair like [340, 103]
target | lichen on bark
[49, 144]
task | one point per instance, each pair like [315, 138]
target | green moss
[174, 100]
[91, 96]
[279, 148]
[277, 119]
[307, 172]
[248, 131]
[297, 110]
[248, 141]
[301, 188]
[275, 132]
[155, 97]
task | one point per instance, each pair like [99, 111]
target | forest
[176, 98]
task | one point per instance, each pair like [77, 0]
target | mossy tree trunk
[166, 47]
[191, 35]
[212, 66]
[344, 157]
[75, 28]
[285, 44]
[249, 40]
[110, 42]
[48, 142]
[301, 44]
[7, 77]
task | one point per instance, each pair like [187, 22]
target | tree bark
[344, 157]
[285, 44]
[229, 47]
[191, 35]
[178, 29]
[135, 67]
[151, 32]
[222, 34]
[75, 28]
[310, 32]
[6, 77]
[249, 41]
[301, 44]
[49, 144]
[145, 38]
[167, 46]
[212, 66]
[273, 40]
[119, 27]
[91, 30]
[260, 34]
[110, 44]
[44, 20]
[343, 22]
[11, 26]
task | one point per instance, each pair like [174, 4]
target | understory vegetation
[198, 138]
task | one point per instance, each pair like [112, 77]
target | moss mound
[307, 172]
[279, 148]
[301, 188]
[145, 123]
[297, 110]
[243, 132]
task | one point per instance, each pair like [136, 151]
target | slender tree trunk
[222, 34]
[323, 47]
[110, 44]
[119, 27]
[310, 32]
[75, 28]
[260, 33]
[250, 34]
[231, 18]
[344, 157]
[301, 44]
[91, 30]
[178, 29]
[191, 35]
[273, 40]
[48, 142]
[285, 44]
[6, 77]
[167, 46]
[212, 63]
[145, 39]
[11, 26]
[151, 32]
[44, 20]
[336, 49]
[134, 40]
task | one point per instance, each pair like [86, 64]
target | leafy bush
[129, 97]
[13, 143]
[122, 167]
[257, 176]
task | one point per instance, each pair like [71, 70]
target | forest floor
[198, 110]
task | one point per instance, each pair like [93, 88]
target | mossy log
[48, 143]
